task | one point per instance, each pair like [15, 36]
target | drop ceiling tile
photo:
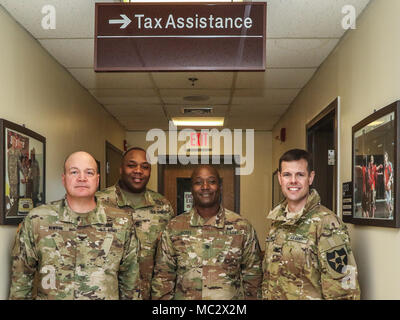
[71, 53]
[218, 80]
[129, 110]
[172, 96]
[100, 80]
[256, 123]
[125, 96]
[298, 53]
[264, 96]
[308, 18]
[257, 110]
[74, 18]
[275, 78]
[175, 110]
[142, 124]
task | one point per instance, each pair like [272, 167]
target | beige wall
[38, 92]
[364, 71]
[255, 189]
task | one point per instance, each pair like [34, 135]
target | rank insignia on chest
[337, 259]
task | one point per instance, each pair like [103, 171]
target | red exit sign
[199, 139]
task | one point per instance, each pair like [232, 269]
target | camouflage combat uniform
[204, 260]
[308, 256]
[150, 218]
[76, 256]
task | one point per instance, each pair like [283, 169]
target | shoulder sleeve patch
[337, 259]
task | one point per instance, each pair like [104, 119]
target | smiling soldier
[150, 210]
[78, 247]
[308, 253]
[208, 253]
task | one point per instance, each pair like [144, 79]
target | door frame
[333, 106]
[111, 146]
[235, 159]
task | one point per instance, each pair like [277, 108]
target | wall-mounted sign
[187, 201]
[180, 36]
[347, 201]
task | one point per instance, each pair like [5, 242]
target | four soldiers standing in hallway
[78, 247]
[209, 252]
[150, 210]
[108, 246]
[308, 253]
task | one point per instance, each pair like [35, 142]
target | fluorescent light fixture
[198, 122]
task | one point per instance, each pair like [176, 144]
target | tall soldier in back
[150, 210]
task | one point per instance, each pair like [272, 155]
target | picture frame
[23, 171]
[375, 169]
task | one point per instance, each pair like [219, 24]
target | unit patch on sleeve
[337, 259]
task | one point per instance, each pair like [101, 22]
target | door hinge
[331, 157]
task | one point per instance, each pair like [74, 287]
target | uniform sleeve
[24, 262]
[339, 276]
[163, 282]
[128, 276]
[171, 213]
[251, 266]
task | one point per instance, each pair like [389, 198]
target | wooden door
[113, 163]
[322, 137]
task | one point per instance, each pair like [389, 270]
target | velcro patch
[337, 259]
[297, 237]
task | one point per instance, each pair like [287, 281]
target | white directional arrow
[125, 21]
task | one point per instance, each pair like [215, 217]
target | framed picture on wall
[375, 171]
[22, 177]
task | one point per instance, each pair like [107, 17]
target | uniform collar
[95, 216]
[122, 201]
[279, 212]
[217, 221]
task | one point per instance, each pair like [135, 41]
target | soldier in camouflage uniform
[150, 210]
[208, 253]
[77, 248]
[308, 253]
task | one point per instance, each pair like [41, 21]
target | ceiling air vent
[196, 111]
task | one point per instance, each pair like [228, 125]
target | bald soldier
[150, 210]
[208, 253]
[308, 253]
[77, 247]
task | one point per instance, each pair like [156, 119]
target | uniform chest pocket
[55, 250]
[298, 255]
[231, 251]
[188, 251]
[107, 252]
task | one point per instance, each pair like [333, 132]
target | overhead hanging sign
[180, 36]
